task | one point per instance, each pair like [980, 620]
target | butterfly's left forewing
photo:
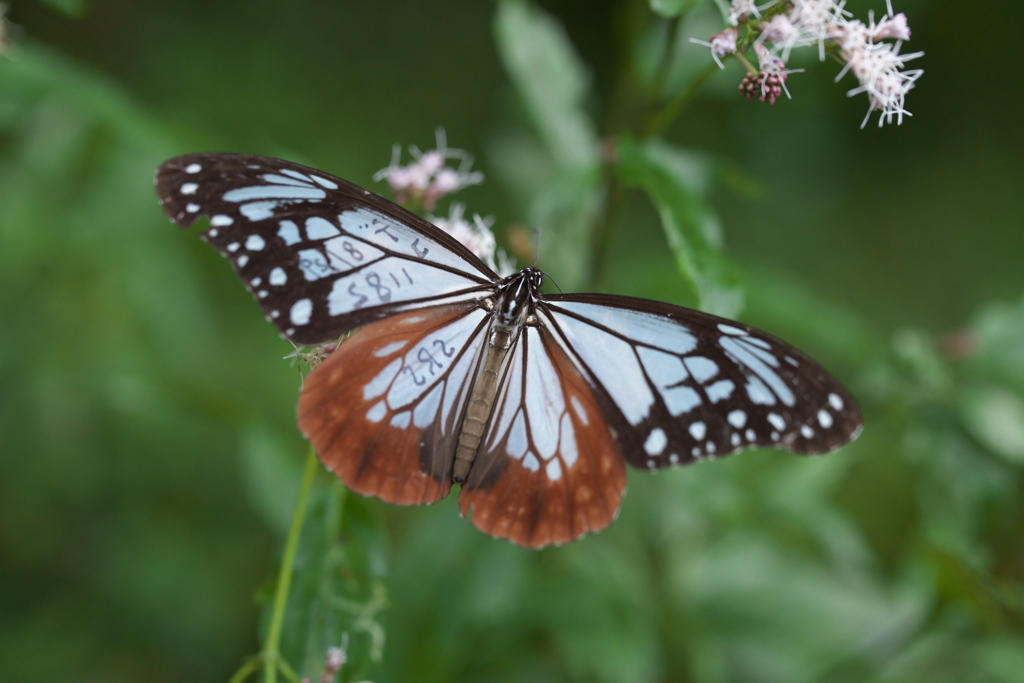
[679, 385]
[321, 256]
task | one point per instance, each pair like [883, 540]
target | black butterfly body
[532, 402]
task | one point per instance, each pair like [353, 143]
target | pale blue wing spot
[301, 311]
[531, 462]
[377, 412]
[553, 469]
[544, 400]
[767, 357]
[346, 252]
[256, 192]
[517, 441]
[379, 384]
[289, 232]
[698, 430]
[580, 411]
[258, 211]
[425, 412]
[567, 441]
[329, 184]
[680, 400]
[759, 393]
[318, 228]
[701, 368]
[742, 354]
[296, 174]
[397, 280]
[277, 277]
[389, 349]
[663, 368]
[284, 180]
[656, 441]
[646, 328]
[720, 390]
[757, 342]
[314, 266]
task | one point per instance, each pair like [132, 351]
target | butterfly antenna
[555, 282]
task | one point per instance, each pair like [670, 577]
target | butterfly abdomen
[478, 412]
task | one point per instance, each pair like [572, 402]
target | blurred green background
[149, 455]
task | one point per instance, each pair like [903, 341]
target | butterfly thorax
[512, 308]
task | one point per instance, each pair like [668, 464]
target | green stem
[665, 65]
[660, 123]
[603, 232]
[246, 670]
[271, 651]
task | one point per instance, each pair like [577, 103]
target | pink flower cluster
[785, 25]
[427, 179]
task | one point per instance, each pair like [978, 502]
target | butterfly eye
[534, 404]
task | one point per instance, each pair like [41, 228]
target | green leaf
[564, 211]
[338, 595]
[998, 335]
[673, 8]
[72, 8]
[675, 181]
[551, 80]
[995, 416]
[272, 474]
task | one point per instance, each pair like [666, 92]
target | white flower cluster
[477, 237]
[789, 24]
[427, 179]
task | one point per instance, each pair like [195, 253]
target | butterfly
[533, 403]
